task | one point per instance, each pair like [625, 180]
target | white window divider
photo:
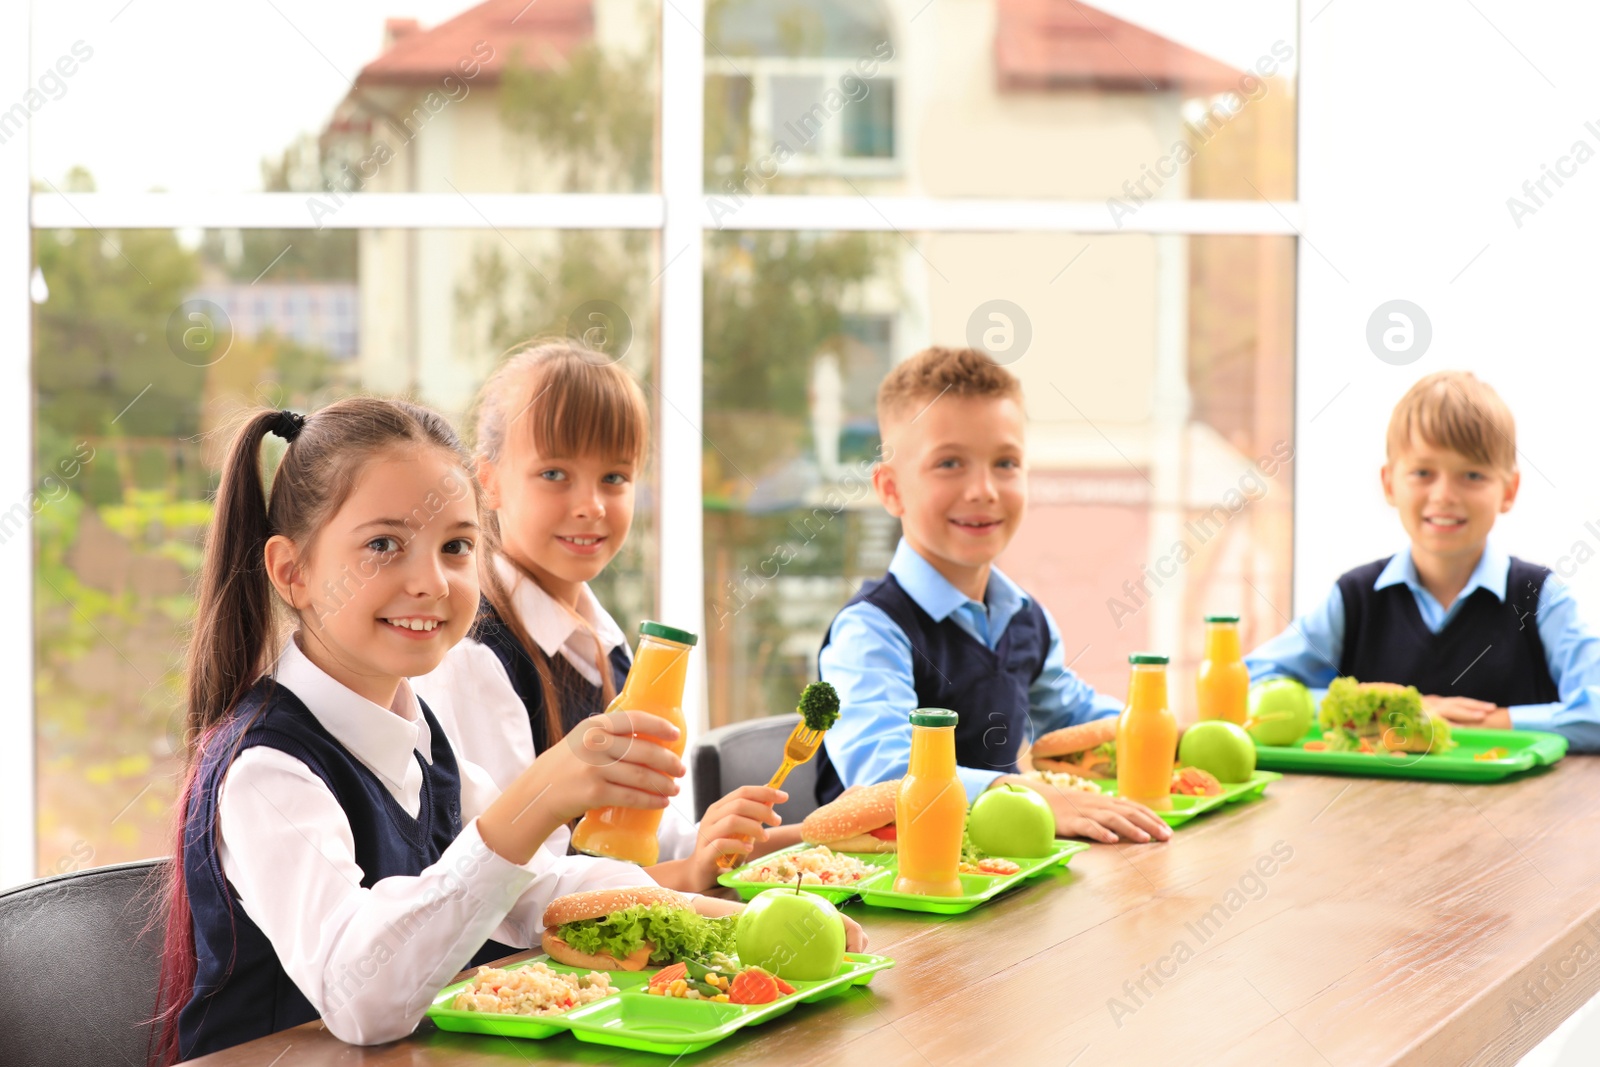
[465, 210]
[911, 213]
[111, 211]
[680, 571]
[18, 838]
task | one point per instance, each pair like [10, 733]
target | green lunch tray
[980, 888]
[1525, 749]
[638, 1020]
[1184, 808]
[838, 894]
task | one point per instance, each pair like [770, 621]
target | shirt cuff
[1535, 716]
[976, 781]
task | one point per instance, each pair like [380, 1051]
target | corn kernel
[678, 987]
[721, 998]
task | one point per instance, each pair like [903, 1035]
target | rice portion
[531, 990]
[1063, 780]
[813, 866]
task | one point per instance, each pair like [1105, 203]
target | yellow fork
[801, 746]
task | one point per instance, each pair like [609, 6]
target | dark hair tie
[286, 424]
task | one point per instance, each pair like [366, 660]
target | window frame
[681, 212]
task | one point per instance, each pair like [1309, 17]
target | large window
[354, 196]
[1158, 375]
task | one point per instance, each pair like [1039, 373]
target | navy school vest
[987, 688]
[241, 991]
[579, 699]
[1490, 650]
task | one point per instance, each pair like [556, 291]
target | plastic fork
[801, 746]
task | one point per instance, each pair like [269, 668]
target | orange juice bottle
[655, 685]
[1222, 686]
[930, 811]
[1147, 734]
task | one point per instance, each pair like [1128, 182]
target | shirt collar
[381, 738]
[1491, 573]
[934, 593]
[548, 622]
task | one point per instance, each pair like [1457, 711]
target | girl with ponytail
[562, 433]
[335, 856]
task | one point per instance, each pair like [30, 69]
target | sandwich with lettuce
[630, 929]
[1380, 717]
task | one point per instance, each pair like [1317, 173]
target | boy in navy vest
[1490, 640]
[944, 628]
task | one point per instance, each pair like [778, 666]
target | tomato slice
[884, 833]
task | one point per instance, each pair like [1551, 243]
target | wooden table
[1336, 920]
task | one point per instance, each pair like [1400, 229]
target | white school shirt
[471, 694]
[371, 960]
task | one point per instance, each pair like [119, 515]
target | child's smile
[415, 628]
[582, 545]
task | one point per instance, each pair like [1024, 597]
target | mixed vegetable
[721, 980]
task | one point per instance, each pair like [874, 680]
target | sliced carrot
[753, 986]
[783, 987]
[667, 974]
[1315, 746]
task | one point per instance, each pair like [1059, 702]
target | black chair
[77, 980]
[747, 753]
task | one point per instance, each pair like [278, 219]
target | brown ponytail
[234, 603]
[238, 614]
[566, 400]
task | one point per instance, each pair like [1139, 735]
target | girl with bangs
[336, 856]
[562, 435]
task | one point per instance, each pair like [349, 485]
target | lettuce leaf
[1350, 713]
[677, 933]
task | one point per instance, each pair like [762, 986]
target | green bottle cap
[1222, 618]
[1147, 658]
[668, 633]
[934, 717]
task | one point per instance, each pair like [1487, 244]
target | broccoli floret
[819, 706]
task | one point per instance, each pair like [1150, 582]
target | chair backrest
[747, 753]
[77, 981]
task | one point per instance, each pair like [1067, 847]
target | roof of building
[542, 31]
[1038, 45]
[1062, 44]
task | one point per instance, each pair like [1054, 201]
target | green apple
[1012, 820]
[797, 936]
[1220, 747]
[1281, 710]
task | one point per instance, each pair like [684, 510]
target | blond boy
[1489, 639]
[945, 628]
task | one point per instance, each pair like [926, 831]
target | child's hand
[606, 760]
[855, 938]
[744, 813]
[610, 760]
[1464, 710]
[747, 811]
[1097, 816]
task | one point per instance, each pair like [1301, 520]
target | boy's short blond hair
[938, 371]
[1453, 409]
